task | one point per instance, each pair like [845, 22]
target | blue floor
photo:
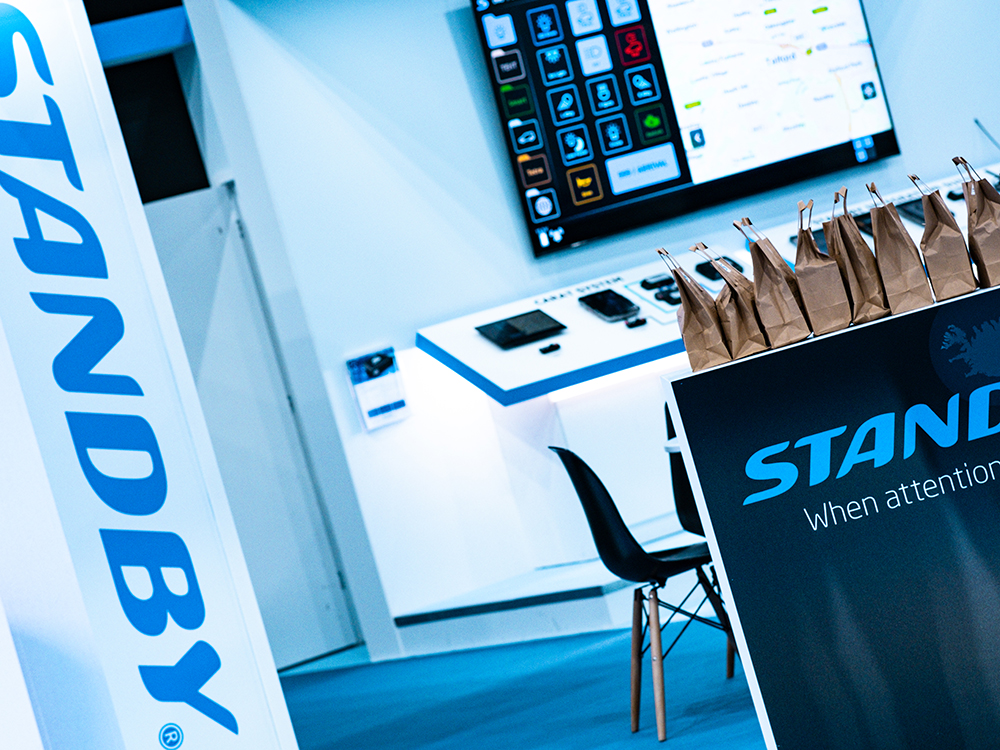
[563, 693]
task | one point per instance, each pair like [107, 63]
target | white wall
[389, 183]
[242, 392]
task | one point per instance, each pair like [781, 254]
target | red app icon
[632, 46]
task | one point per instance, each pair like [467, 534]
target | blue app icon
[584, 17]
[564, 104]
[623, 12]
[574, 144]
[642, 85]
[543, 204]
[545, 25]
[554, 65]
[525, 135]
[612, 133]
[594, 55]
[499, 30]
[604, 95]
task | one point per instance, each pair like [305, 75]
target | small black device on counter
[912, 210]
[655, 282]
[521, 329]
[609, 305]
[864, 222]
[709, 271]
[671, 295]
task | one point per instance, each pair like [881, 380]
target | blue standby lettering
[882, 431]
[72, 370]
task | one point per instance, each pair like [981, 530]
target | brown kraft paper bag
[776, 292]
[857, 265]
[823, 294]
[983, 203]
[736, 309]
[899, 262]
[947, 260]
[698, 320]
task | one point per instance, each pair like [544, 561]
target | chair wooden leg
[637, 617]
[730, 658]
[656, 652]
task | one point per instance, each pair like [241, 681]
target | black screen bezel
[646, 209]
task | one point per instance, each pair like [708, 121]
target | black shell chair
[623, 556]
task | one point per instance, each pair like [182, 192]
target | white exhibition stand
[591, 395]
[128, 599]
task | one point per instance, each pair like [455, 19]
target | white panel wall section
[445, 525]
[283, 534]
[266, 234]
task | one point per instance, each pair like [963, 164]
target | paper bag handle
[875, 194]
[746, 223]
[802, 208]
[971, 174]
[700, 248]
[918, 184]
[711, 256]
[840, 194]
[667, 258]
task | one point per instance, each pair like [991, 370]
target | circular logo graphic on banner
[171, 736]
[965, 344]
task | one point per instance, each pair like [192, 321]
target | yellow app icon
[584, 184]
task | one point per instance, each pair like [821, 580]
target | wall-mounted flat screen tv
[619, 113]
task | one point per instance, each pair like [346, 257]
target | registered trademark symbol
[171, 736]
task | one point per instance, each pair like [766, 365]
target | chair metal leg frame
[648, 621]
[712, 592]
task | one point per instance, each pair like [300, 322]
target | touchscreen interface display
[618, 113]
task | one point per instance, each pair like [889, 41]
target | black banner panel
[852, 485]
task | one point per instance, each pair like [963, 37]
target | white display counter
[589, 347]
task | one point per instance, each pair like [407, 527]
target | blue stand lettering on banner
[72, 372]
[144, 560]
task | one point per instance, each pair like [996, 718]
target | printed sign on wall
[98, 362]
[853, 489]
